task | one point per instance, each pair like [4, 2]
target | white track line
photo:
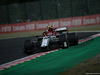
[16, 62]
[86, 31]
[89, 38]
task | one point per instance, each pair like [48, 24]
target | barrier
[40, 25]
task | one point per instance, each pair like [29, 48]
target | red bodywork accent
[49, 33]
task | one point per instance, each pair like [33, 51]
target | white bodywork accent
[65, 44]
[45, 42]
[61, 29]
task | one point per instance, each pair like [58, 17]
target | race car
[58, 38]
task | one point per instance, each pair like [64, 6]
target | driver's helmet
[49, 26]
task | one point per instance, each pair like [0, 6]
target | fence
[35, 10]
[40, 25]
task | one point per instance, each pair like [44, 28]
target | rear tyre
[73, 39]
[28, 48]
[63, 39]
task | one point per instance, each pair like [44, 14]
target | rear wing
[61, 29]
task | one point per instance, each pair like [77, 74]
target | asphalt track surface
[12, 49]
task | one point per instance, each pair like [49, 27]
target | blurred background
[16, 11]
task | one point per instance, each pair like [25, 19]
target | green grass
[90, 66]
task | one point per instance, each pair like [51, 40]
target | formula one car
[58, 38]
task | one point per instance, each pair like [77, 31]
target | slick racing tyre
[28, 47]
[64, 41]
[73, 39]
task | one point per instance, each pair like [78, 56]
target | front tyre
[28, 48]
